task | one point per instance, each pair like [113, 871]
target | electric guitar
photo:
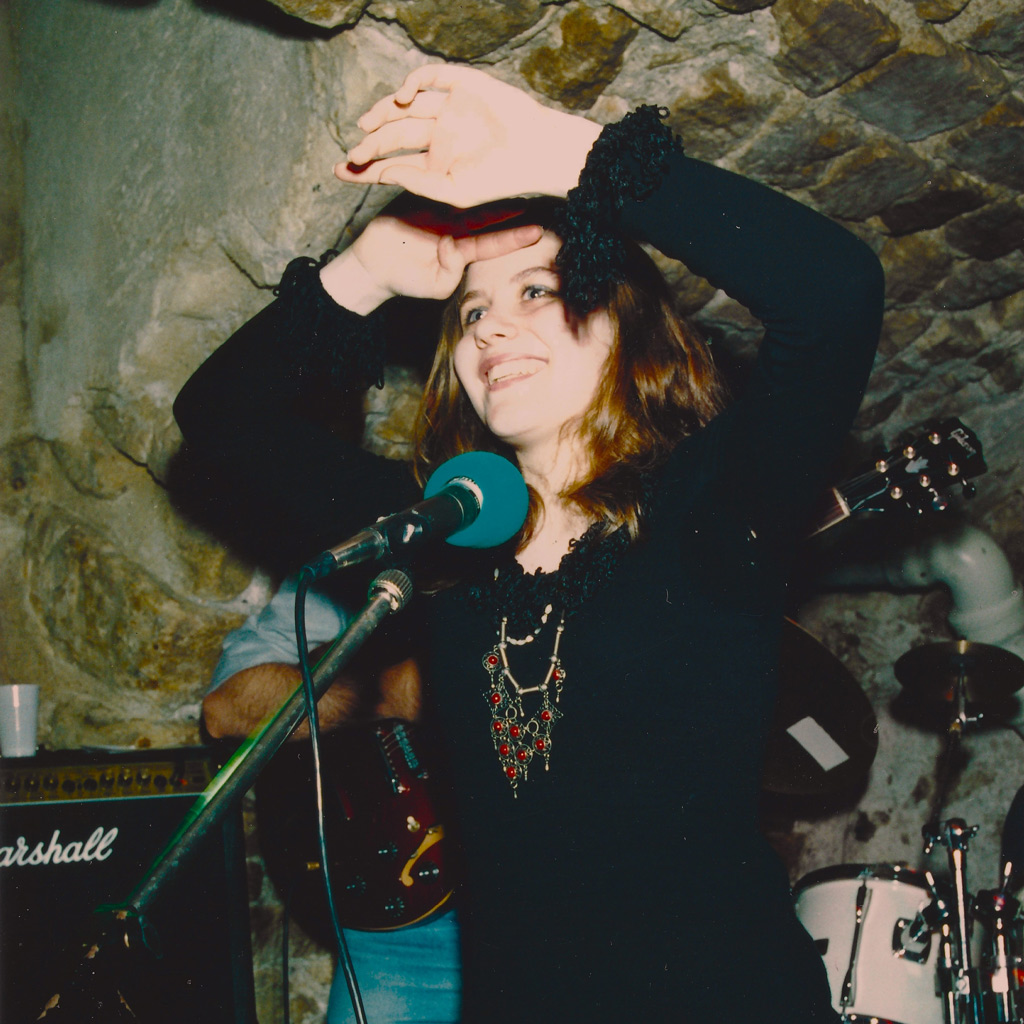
[816, 692]
[383, 833]
[912, 477]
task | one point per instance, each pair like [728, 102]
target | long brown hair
[659, 386]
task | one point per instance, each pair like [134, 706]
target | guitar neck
[831, 510]
[913, 476]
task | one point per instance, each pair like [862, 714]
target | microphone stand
[389, 592]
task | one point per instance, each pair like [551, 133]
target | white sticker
[818, 743]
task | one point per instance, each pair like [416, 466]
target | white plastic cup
[19, 717]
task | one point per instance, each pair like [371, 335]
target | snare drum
[885, 969]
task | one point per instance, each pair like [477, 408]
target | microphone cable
[307, 575]
[495, 519]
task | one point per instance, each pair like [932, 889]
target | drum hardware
[973, 681]
[876, 971]
[848, 993]
[947, 975]
[998, 910]
[911, 939]
[896, 943]
[959, 981]
[909, 942]
[970, 679]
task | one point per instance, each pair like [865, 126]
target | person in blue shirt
[409, 975]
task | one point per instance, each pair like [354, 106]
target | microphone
[475, 500]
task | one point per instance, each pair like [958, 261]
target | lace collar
[522, 596]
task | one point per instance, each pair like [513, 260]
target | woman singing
[604, 682]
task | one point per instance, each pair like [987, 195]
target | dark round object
[824, 736]
[990, 674]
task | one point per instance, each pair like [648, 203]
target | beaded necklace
[513, 597]
[517, 738]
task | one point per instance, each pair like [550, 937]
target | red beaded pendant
[509, 718]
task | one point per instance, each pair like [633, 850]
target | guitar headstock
[917, 474]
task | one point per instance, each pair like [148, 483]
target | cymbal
[990, 674]
[824, 736]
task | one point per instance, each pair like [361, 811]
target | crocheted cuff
[328, 340]
[628, 161]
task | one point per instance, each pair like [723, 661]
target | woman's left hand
[465, 138]
[419, 249]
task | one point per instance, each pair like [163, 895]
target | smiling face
[526, 371]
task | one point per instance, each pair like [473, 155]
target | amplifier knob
[68, 785]
[160, 781]
[50, 782]
[32, 782]
[90, 785]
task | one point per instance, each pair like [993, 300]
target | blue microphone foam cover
[505, 499]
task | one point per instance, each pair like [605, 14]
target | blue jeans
[408, 976]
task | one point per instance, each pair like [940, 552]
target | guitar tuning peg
[953, 468]
[969, 490]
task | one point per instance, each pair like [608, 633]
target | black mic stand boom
[389, 592]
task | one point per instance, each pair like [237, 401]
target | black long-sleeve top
[628, 882]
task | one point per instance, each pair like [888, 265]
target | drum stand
[972, 996]
[965, 675]
[959, 982]
[998, 909]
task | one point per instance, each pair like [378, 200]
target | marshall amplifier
[79, 831]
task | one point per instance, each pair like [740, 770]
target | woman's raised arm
[464, 138]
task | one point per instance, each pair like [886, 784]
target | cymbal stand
[998, 908]
[959, 983]
[934, 917]
[952, 757]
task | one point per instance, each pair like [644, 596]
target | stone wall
[162, 160]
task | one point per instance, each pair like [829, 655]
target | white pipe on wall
[988, 603]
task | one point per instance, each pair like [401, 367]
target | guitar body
[384, 837]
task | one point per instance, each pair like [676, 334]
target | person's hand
[420, 249]
[458, 136]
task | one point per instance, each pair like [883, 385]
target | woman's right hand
[420, 250]
[459, 136]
